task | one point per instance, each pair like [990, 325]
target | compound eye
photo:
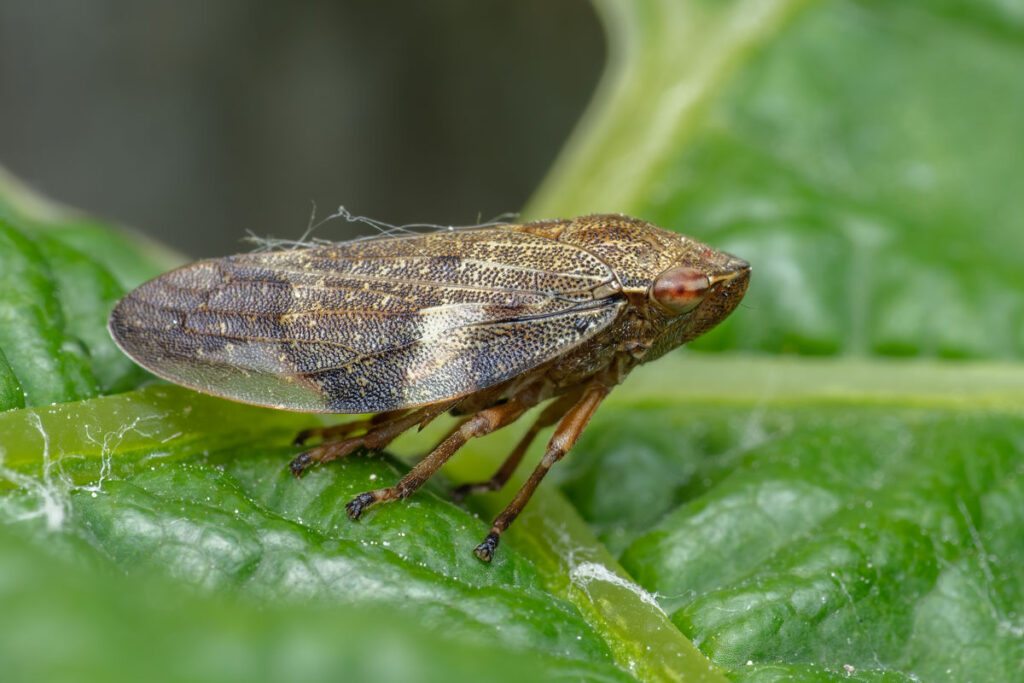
[680, 289]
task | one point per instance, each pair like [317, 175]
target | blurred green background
[829, 486]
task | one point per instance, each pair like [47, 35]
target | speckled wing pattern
[368, 326]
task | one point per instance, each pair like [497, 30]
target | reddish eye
[680, 289]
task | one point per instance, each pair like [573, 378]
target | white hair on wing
[382, 230]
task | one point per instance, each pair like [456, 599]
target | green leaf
[798, 519]
[33, 332]
[838, 514]
[59, 277]
[171, 482]
[838, 517]
[65, 622]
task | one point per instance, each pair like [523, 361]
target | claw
[485, 551]
[300, 462]
[355, 507]
[324, 453]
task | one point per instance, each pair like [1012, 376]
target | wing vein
[407, 281]
[608, 303]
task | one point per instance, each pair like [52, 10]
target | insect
[484, 323]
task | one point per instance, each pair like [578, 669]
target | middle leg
[480, 424]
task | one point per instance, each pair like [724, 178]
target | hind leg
[379, 435]
[344, 429]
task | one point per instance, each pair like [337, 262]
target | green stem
[756, 380]
[667, 61]
[577, 566]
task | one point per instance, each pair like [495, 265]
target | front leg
[552, 414]
[565, 437]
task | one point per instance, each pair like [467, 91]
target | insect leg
[568, 431]
[552, 414]
[379, 436]
[484, 422]
[345, 428]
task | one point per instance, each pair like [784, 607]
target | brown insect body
[483, 322]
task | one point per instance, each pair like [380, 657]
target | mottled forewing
[368, 326]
